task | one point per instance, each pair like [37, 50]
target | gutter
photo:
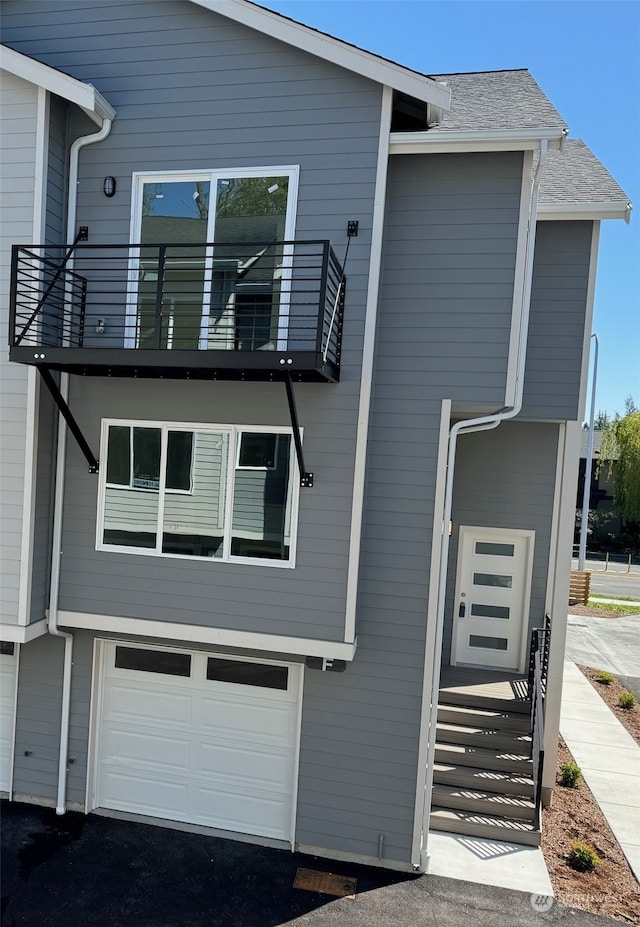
[468, 426]
[56, 542]
[440, 140]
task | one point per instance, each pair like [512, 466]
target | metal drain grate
[325, 882]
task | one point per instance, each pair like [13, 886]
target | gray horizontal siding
[308, 601]
[194, 90]
[41, 556]
[448, 273]
[556, 326]
[506, 479]
[18, 124]
[38, 718]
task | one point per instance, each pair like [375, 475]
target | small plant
[582, 857]
[605, 678]
[570, 775]
[627, 700]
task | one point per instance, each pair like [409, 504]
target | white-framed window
[198, 491]
[226, 274]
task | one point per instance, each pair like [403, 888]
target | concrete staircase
[483, 784]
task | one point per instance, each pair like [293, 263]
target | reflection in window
[497, 550]
[492, 579]
[180, 507]
[262, 500]
[265, 675]
[488, 643]
[489, 611]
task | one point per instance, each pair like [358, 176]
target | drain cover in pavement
[325, 882]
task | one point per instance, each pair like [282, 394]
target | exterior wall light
[109, 186]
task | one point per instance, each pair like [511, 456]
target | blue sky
[586, 58]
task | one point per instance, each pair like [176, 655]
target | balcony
[243, 310]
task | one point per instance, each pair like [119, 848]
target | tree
[620, 454]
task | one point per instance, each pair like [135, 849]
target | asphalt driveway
[77, 871]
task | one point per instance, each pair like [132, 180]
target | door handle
[462, 610]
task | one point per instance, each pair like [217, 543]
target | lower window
[214, 492]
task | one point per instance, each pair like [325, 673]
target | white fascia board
[578, 211]
[75, 91]
[224, 637]
[20, 633]
[332, 49]
[444, 141]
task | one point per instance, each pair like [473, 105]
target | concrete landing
[489, 862]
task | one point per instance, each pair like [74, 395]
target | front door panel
[492, 597]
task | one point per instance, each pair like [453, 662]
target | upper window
[221, 492]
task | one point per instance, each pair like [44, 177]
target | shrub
[582, 857]
[605, 678]
[627, 700]
[570, 775]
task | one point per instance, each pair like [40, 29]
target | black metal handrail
[240, 296]
[539, 643]
[537, 737]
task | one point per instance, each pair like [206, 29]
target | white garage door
[198, 738]
[8, 669]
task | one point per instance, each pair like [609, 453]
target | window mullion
[164, 440]
[228, 512]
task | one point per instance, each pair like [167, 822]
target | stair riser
[483, 806]
[442, 755]
[498, 742]
[515, 724]
[487, 832]
[500, 787]
[468, 700]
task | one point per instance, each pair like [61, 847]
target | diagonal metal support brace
[306, 479]
[58, 398]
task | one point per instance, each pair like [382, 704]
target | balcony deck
[243, 311]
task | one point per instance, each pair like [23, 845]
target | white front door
[491, 605]
[198, 738]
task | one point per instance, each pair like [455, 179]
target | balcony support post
[67, 414]
[306, 478]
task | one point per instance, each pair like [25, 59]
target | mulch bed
[611, 890]
[588, 611]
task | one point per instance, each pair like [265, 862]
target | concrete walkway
[608, 757]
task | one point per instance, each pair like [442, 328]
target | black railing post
[13, 293]
[162, 255]
[322, 313]
[83, 307]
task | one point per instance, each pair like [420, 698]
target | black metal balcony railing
[240, 309]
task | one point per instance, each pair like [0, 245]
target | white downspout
[56, 543]
[482, 423]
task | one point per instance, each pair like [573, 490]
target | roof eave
[69, 88]
[620, 209]
[331, 49]
[438, 141]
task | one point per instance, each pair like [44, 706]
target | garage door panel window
[169, 663]
[215, 492]
[248, 674]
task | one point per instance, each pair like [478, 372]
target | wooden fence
[579, 587]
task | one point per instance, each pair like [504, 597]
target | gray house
[291, 422]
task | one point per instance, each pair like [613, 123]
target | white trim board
[366, 374]
[517, 304]
[329, 48]
[568, 212]
[442, 141]
[75, 91]
[223, 637]
[22, 634]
